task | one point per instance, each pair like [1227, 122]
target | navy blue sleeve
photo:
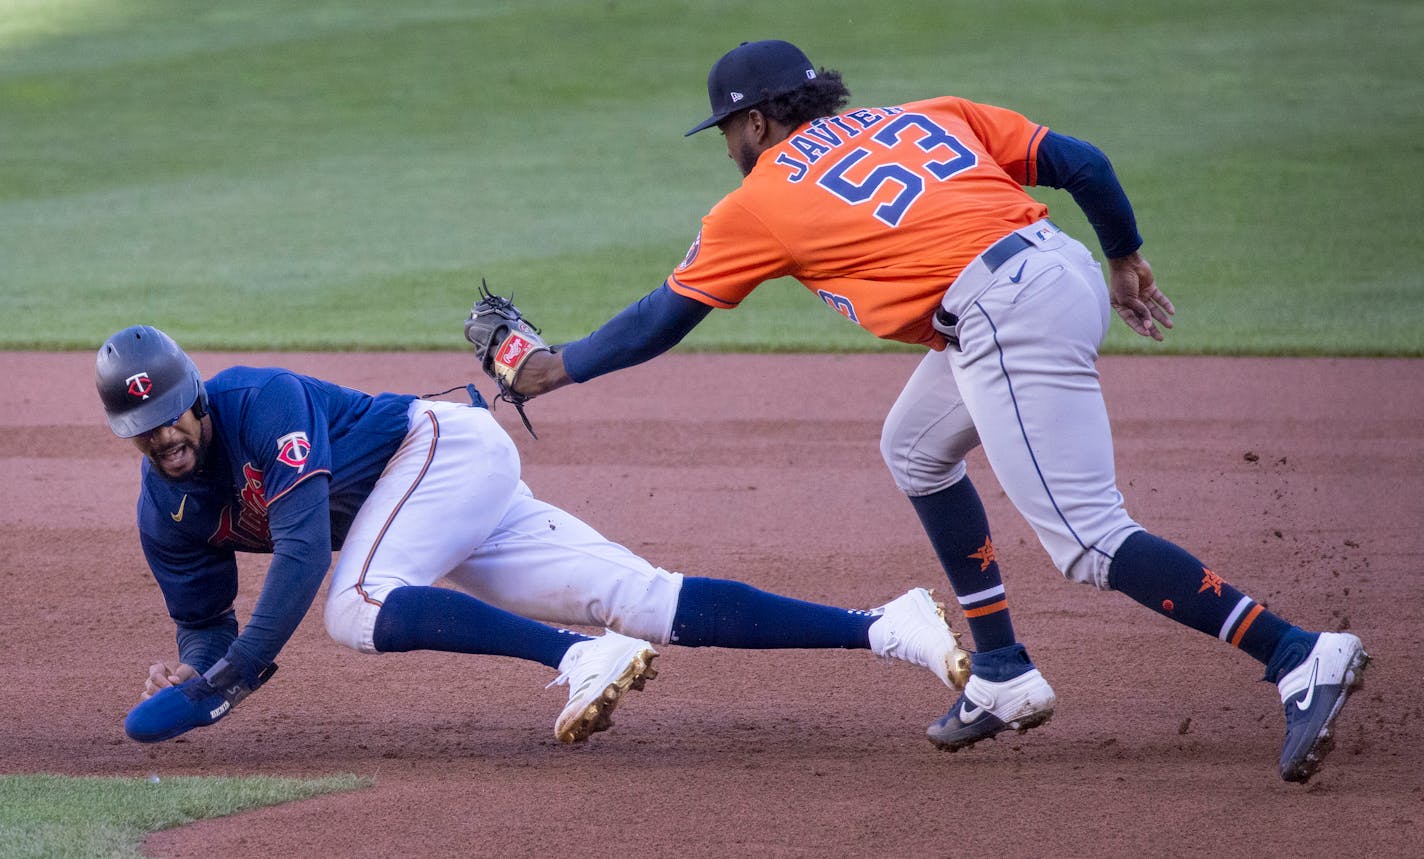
[644, 329]
[199, 584]
[300, 522]
[1081, 169]
[202, 645]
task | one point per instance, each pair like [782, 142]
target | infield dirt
[1297, 480]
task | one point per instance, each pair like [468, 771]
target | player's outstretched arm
[639, 332]
[1136, 298]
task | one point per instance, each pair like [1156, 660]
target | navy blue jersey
[291, 460]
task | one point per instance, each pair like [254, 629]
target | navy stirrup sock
[430, 618]
[721, 613]
[958, 529]
[1002, 664]
[1170, 581]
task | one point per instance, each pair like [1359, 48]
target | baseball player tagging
[912, 221]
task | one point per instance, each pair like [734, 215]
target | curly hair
[824, 95]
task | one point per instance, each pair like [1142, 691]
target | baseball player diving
[912, 221]
[409, 490]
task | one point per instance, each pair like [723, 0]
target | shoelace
[568, 676]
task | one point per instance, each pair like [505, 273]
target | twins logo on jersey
[250, 531]
[293, 449]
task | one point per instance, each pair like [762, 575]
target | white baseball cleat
[598, 672]
[912, 628]
[1312, 694]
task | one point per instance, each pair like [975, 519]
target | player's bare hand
[1134, 295]
[161, 675]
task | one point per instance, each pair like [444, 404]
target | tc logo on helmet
[140, 385]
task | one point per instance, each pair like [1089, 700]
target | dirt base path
[1298, 480]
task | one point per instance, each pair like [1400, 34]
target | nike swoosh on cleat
[1304, 703]
[1018, 275]
[178, 517]
[969, 713]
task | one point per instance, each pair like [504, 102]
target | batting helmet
[146, 381]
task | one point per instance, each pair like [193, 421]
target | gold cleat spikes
[601, 671]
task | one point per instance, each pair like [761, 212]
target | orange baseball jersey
[876, 210]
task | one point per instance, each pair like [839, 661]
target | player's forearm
[1084, 171]
[301, 533]
[542, 372]
[643, 330]
[202, 646]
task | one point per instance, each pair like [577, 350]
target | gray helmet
[145, 381]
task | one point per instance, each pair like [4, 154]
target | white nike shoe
[912, 628]
[987, 708]
[598, 672]
[1312, 694]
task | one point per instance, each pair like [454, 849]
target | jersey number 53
[945, 158]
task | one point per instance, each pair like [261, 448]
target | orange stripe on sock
[1001, 605]
[1245, 624]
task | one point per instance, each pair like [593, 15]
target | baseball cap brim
[709, 122]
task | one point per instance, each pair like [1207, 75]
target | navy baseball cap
[752, 73]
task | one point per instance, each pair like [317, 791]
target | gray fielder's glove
[503, 341]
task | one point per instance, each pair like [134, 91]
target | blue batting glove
[194, 703]
[176, 710]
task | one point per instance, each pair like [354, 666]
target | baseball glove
[503, 341]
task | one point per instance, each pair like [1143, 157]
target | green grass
[340, 174]
[105, 818]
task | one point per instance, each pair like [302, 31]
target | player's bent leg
[350, 619]
[545, 563]
[924, 441]
[1314, 672]
[1024, 388]
[928, 431]
[441, 494]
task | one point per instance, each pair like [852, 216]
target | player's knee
[1088, 568]
[923, 461]
[643, 606]
[1090, 565]
[351, 619]
[915, 469]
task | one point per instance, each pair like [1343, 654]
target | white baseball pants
[451, 503]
